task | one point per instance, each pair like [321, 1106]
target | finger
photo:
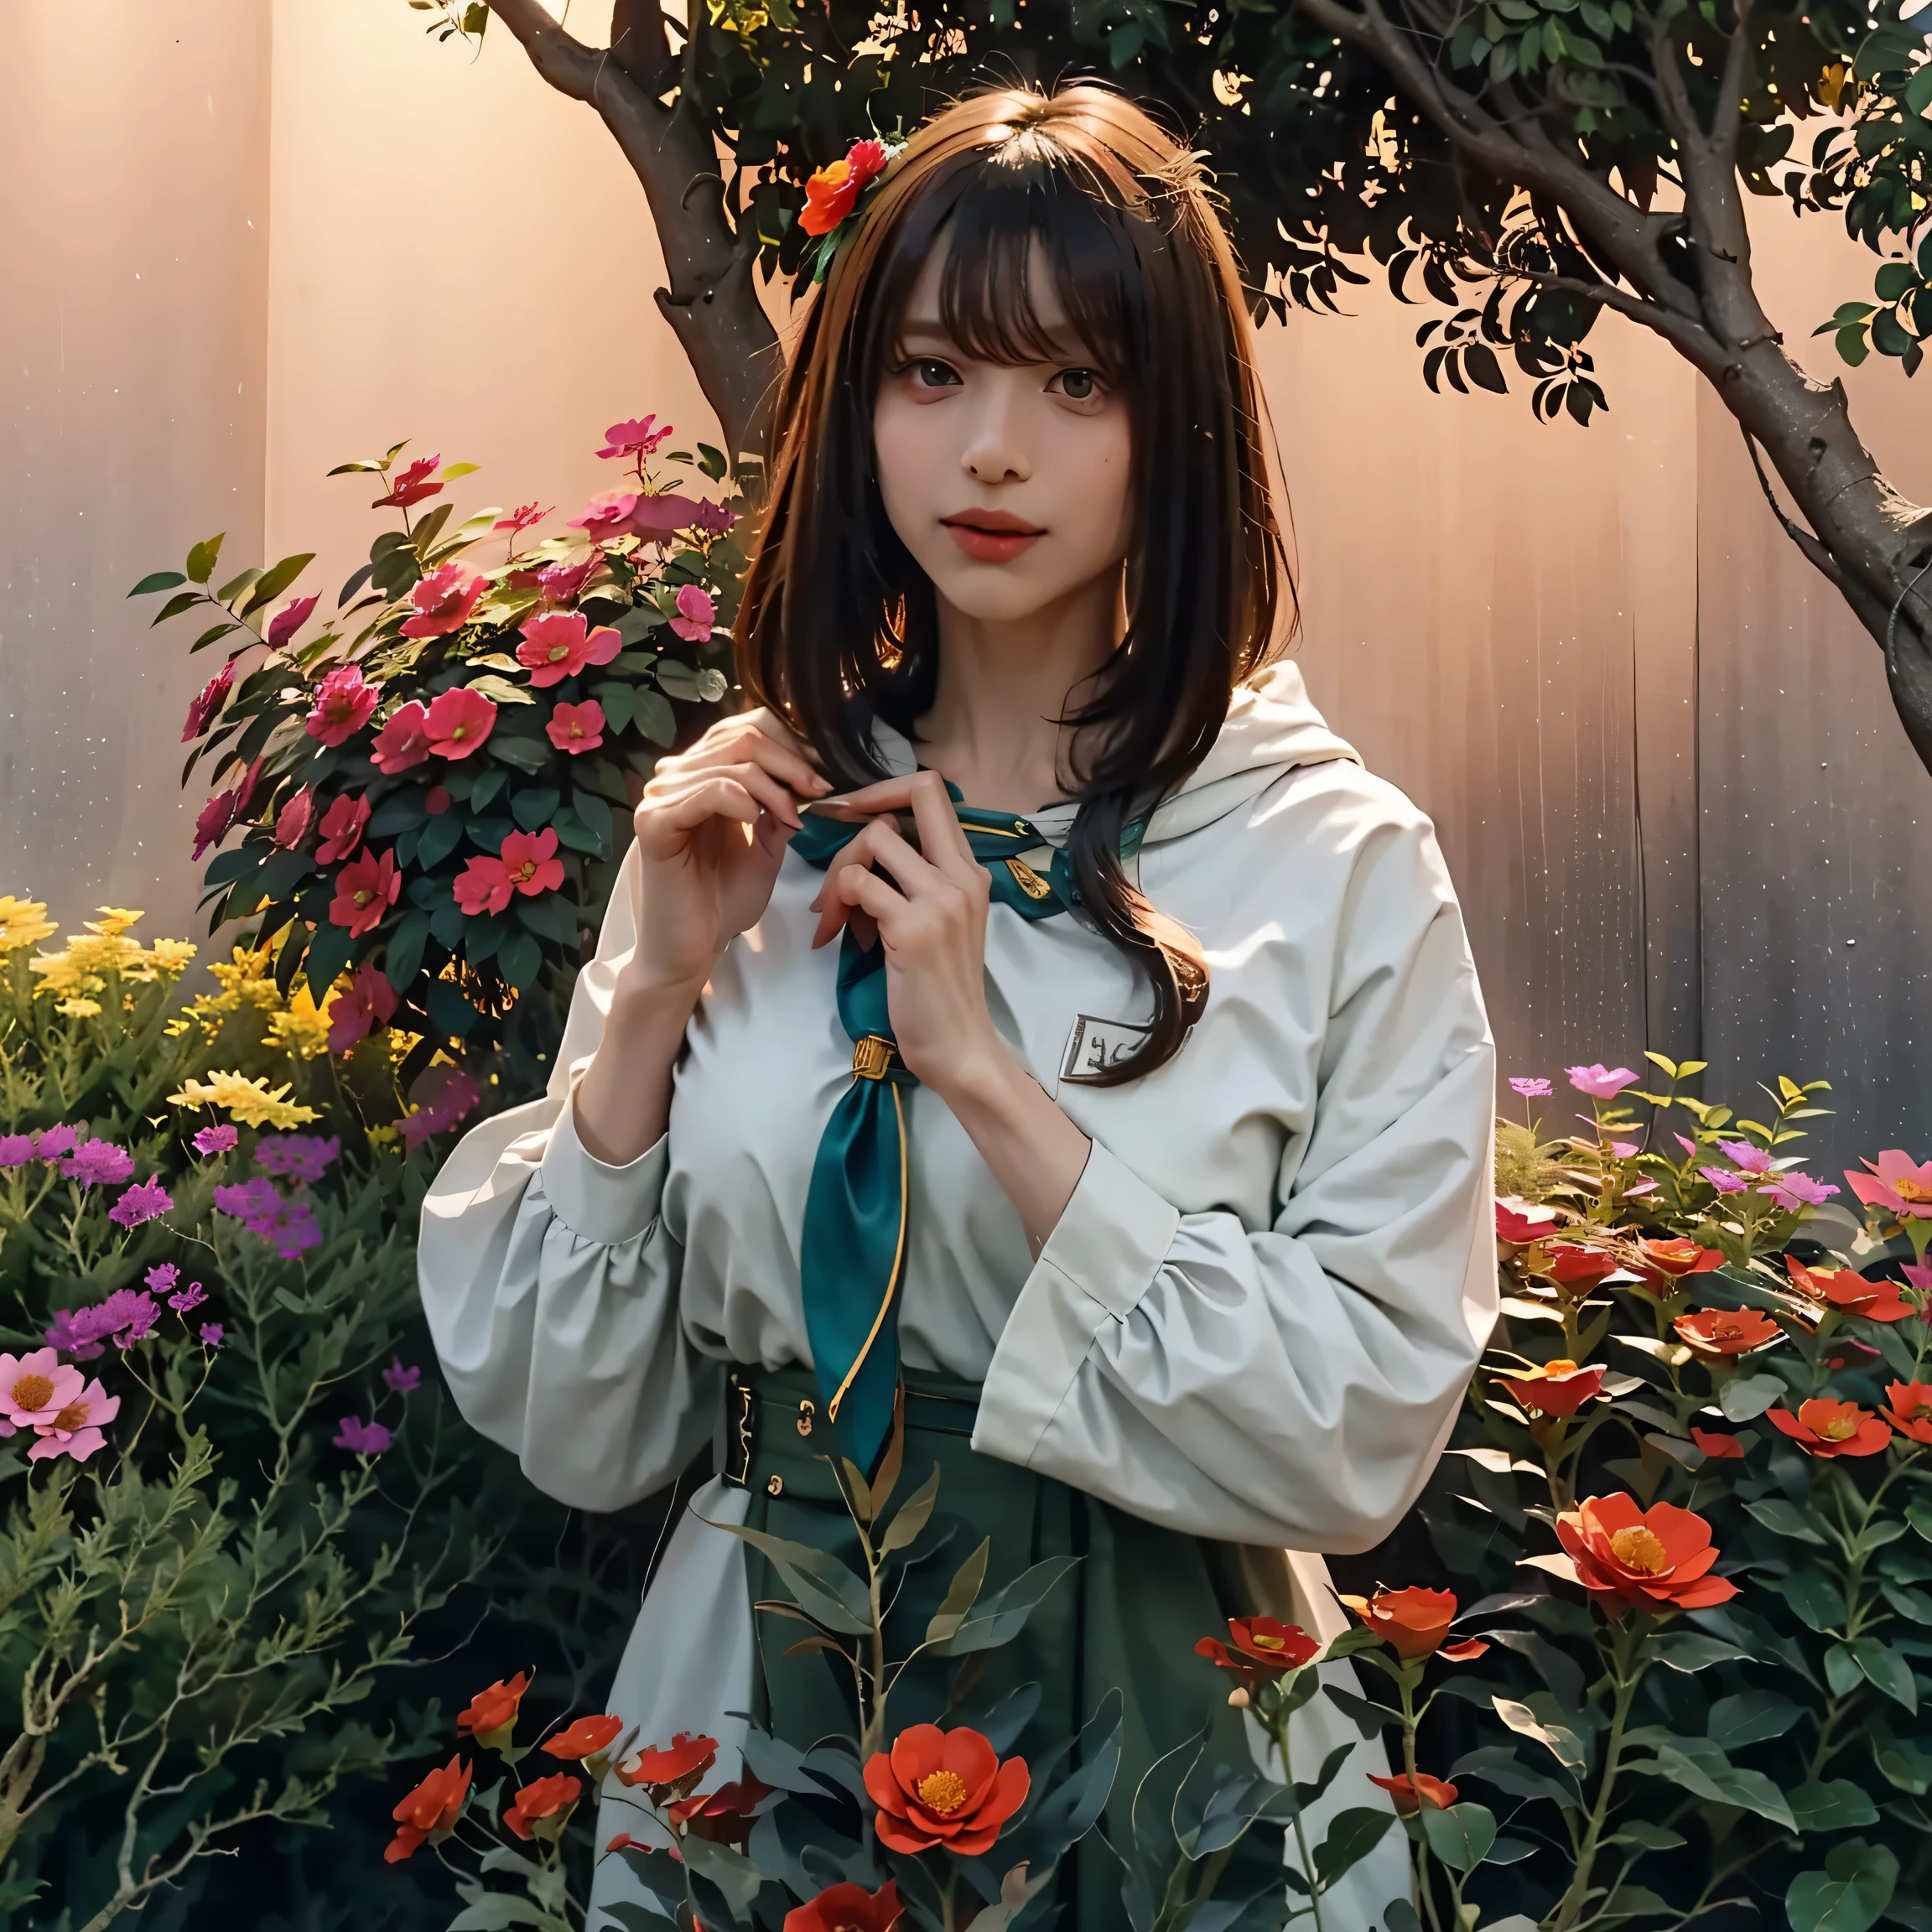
[666, 832]
[888, 795]
[854, 896]
[915, 875]
[762, 736]
[832, 910]
[777, 798]
[942, 837]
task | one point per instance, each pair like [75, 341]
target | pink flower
[203, 707]
[606, 516]
[637, 438]
[483, 886]
[695, 613]
[75, 1429]
[459, 722]
[1792, 1192]
[560, 643]
[292, 821]
[362, 1438]
[288, 619]
[1530, 1089]
[1752, 1159]
[524, 517]
[1723, 1180]
[300, 1159]
[444, 600]
[50, 1142]
[213, 822]
[443, 1096]
[656, 518]
[364, 889]
[344, 701]
[713, 519]
[530, 861]
[1624, 1148]
[1599, 1081]
[560, 582]
[411, 485]
[219, 1139]
[342, 827]
[142, 1201]
[35, 1389]
[436, 801]
[576, 728]
[403, 741]
[367, 1003]
[398, 1379]
[1896, 1181]
[250, 1200]
[98, 1164]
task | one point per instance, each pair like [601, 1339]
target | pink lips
[993, 536]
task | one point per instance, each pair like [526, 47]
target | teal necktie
[852, 1264]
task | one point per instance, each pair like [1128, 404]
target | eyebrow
[1061, 347]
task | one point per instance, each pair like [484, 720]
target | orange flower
[946, 1788]
[1716, 1332]
[551, 1797]
[1655, 1560]
[491, 1716]
[1848, 1291]
[1681, 1257]
[848, 1908]
[430, 1811]
[673, 1768]
[584, 1738]
[1716, 1443]
[1259, 1649]
[1823, 1428]
[1558, 1388]
[1411, 1795]
[724, 1816]
[1911, 1410]
[833, 192]
[1415, 1620]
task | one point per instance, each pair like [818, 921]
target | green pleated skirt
[1126, 1617]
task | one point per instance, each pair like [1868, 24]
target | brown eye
[930, 373]
[1076, 385]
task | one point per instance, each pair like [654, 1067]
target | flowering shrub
[424, 786]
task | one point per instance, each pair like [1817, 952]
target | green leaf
[440, 837]
[235, 585]
[1683, 1650]
[1785, 1519]
[679, 680]
[535, 806]
[619, 702]
[403, 960]
[1461, 1835]
[451, 471]
[1748, 1396]
[1498, 1765]
[449, 1011]
[1001, 1617]
[913, 1517]
[1920, 1516]
[1882, 1667]
[520, 960]
[204, 557]
[180, 601]
[328, 954]
[1848, 1895]
[528, 755]
[821, 1585]
[1563, 1743]
[277, 580]
[1749, 1718]
[1813, 1595]
[158, 580]
[656, 719]
[1702, 1769]
[1353, 1834]
[501, 689]
[961, 1594]
[541, 914]
[1833, 1806]
[712, 462]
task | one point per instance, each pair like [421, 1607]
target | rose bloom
[531, 863]
[848, 1908]
[430, 1811]
[1848, 1291]
[403, 741]
[341, 829]
[558, 644]
[1558, 1388]
[1415, 1620]
[576, 728]
[1826, 1428]
[946, 1788]
[344, 702]
[833, 190]
[542, 1798]
[491, 1713]
[1518, 1222]
[1716, 1332]
[669, 1766]
[459, 721]
[1259, 1649]
[364, 889]
[1411, 1795]
[444, 601]
[1909, 1410]
[1656, 1560]
[584, 1738]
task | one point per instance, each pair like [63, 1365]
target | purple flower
[72, 1334]
[211, 1334]
[443, 1096]
[256, 1200]
[98, 1163]
[52, 1142]
[363, 1438]
[1688, 1146]
[1752, 1159]
[300, 1158]
[1530, 1089]
[127, 1316]
[291, 1228]
[141, 1202]
[1599, 1081]
[401, 1380]
[143, 1312]
[217, 1139]
[162, 1278]
[191, 1296]
[16, 1149]
[1792, 1192]
[1724, 1181]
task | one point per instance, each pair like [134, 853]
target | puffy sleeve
[1291, 1383]
[551, 1283]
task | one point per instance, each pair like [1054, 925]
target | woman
[1137, 1122]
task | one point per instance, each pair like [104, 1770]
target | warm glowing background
[245, 242]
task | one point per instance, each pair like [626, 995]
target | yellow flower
[78, 1008]
[173, 955]
[251, 1102]
[301, 1027]
[114, 921]
[60, 972]
[22, 921]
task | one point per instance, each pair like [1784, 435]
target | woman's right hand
[712, 828]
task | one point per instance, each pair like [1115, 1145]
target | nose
[996, 449]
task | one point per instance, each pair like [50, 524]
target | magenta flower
[403, 741]
[1792, 1192]
[142, 1312]
[344, 702]
[217, 1139]
[301, 1158]
[713, 519]
[16, 1149]
[162, 1279]
[483, 887]
[1530, 1088]
[1624, 1150]
[98, 1164]
[560, 644]
[143, 1202]
[560, 582]
[1895, 1181]
[1752, 1159]
[192, 1297]
[401, 1381]
[254, 1200]
[458, 723]
[52, 1142]
[292, 821]
[1599, 1081]
[410, 484]
[288, 619]
[654, 518]
[443, 1096]
[696, 614]
[444, 601]
[35, 1389]
[211, 1334]
[362, 1438]
[576, 728]
[215, 821]
[1724, 1181]
[127, 1317]
[290, 1230]
[75, 1429]
[1688, 1145]
[204, 707]
[68, 1334]
[642, 436]
[342, 827]
[607, 517]
[524, 517]
[368, 1002]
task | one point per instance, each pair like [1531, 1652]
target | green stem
[1626, 1679]
[1301, 1829]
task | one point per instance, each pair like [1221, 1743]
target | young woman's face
[1008, 484]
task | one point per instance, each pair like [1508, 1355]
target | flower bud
[1237, 1698]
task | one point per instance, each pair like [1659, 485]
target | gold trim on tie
[872, 1056]
[898, 1258]
[1027, 879]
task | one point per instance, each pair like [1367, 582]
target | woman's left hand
[929, 907]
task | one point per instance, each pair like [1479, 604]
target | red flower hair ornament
[833, 193]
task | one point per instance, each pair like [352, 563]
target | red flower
[1823, 1428]
[1848, 1291]
[1897, 1181]
[1673, 1259]
[430, 1811]
[1655, 1560]
[342, 827]
[530, 861]
[368, 1002]
[203, 707]
[1411, 1796]
[1558, 1388]
[1259, 1649]
[1519, 1223]
[832, 193]
[411, 485]
[576, 728]
[1716, 1443]
[543, 1798]
[1716, 1332]
[288, 619]
[404, 740]
[1910, 1411]
[848, 1908]
[560, 582]
[524, 517]
[366, 888]
[558, 644]
[946, 1788]
[1415, 1620]
[584, 1738]
[1578, 1268]
[292, 821]
[459, 721]
[492, 1714]
[344, 702]
[214, 820]
[724, 1816]
[642, 436]
[675, 1767]
[483, 886]
[444, 600]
